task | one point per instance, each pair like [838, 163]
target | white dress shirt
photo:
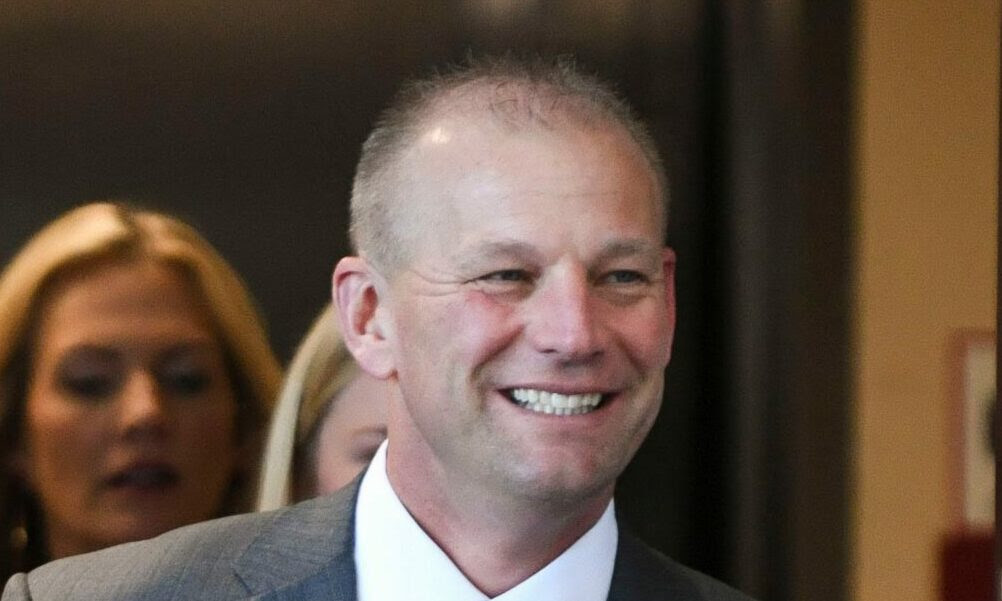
[397, 561]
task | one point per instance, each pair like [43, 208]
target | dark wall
[246, 118]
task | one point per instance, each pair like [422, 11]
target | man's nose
[143, 411]
[565, 320]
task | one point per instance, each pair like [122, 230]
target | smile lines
[553, 403]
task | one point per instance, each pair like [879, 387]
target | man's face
[532, 325]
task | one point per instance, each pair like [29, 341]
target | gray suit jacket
[296, 553]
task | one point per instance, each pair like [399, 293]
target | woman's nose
[143, 410]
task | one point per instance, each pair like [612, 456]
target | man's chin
[568, 484]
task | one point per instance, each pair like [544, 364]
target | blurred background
[835, 180]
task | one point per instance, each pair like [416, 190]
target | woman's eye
[89, 374]
[90, 387]
[185, 383]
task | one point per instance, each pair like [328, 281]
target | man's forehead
[476, 137]
[533, 250]
[456, 155]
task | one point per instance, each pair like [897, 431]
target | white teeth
[554, 403]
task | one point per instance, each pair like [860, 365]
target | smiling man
[511, 280]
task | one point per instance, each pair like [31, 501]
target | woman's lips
[144, 476]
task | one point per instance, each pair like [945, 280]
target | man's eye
[507, 275]
[626, 276]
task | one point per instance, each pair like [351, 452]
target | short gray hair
[516, 94]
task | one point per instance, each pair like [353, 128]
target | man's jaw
[555, 403]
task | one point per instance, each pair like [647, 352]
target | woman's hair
[321, 367]
[107, 232]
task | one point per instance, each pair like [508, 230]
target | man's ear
[362, 317]
[668, 265]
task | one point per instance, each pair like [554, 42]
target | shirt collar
[396, 559]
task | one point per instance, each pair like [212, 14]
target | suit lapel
[641, 574]
[305, 552]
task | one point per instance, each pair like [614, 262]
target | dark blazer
[297, 553]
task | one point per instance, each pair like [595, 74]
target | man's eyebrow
[514, 249]
[616, 249]
[498, 249]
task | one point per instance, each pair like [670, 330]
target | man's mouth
[554, 403]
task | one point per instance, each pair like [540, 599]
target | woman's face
[352, 430]
[130, 417]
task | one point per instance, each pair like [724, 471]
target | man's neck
[496, 541]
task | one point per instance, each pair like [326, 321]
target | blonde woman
[329, 421]
[135, 380]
